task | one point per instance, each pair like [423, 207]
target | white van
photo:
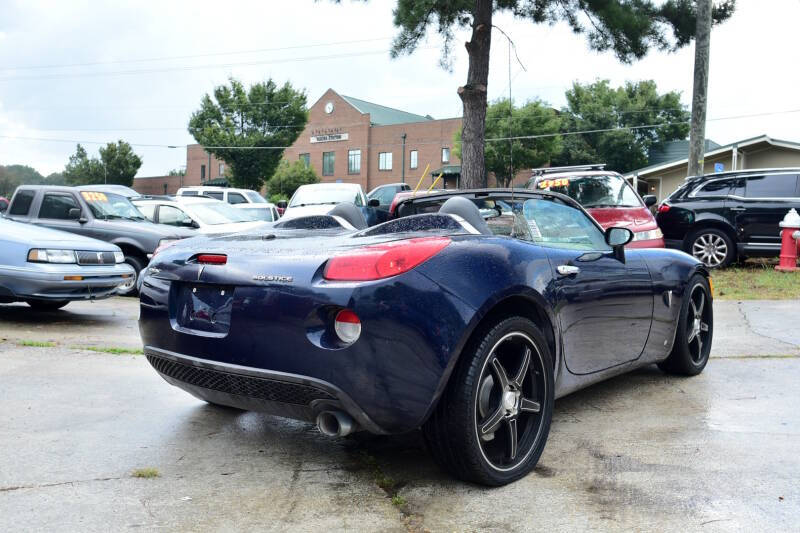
[235, 197]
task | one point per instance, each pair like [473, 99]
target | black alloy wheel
[713, 247]
[695, 331]
[492, 422]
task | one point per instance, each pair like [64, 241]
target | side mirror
[374, 202]
[74, 213]
[617, 238]
[649, 200]
[283, 204]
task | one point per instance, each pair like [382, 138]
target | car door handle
[567, 270]
[737, 208]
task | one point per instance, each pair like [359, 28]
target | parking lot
[82, 411]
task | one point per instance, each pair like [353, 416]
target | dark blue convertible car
[466, 316]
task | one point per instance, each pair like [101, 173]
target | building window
[306, 159]
[414, 159]
[222, 169]
[328, 159]
[385, 161]
[354, 161]
[445, 155]
[202, 173]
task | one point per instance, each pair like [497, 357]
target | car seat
[460, 206]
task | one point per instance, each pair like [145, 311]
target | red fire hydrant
[790, 242]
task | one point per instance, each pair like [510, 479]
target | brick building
[351, 141]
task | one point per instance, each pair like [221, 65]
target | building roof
[381, 115]
[674, 150]
[739, 145]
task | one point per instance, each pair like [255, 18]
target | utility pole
[702, 44]
[403, 174]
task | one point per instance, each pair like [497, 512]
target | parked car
[722, 217]
[265, 212]
[320, 198]
[235, 197]
[464, 325]
[107, 216]
[607, 197]
[3, 204]
[385, 194]
[48, 268]
[206, 215]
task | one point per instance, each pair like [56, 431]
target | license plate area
[201, 309]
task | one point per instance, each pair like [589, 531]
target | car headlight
[119, 257]
[648, 235]
[40, 255]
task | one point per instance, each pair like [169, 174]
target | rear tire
[46, 305]
[492, 422]
[712, 246]
[129, 287]
[695, 331]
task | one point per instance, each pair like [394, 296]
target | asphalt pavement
[644, 451]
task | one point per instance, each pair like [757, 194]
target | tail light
[383, 260]
[663, 208]
[347, 326]
[211, 259]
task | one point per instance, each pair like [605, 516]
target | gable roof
[716, 151]
[384, 116]
[674, 150]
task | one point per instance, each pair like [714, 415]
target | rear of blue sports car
[299, 326]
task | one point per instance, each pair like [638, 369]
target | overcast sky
[132, 92]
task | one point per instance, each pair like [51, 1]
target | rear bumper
[46, 282]
[255, 389]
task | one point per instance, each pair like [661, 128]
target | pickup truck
[100, 214]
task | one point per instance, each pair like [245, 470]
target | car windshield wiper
[313, 203]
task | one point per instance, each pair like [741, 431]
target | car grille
[239, 384]
[96, 258]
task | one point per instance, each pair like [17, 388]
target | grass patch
[37, 344]
[145, 473]
[398, 500]
[756, 279]
[111, 349]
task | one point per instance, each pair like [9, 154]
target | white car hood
[233, 227]
[308, 210]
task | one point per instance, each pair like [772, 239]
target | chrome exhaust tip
[335, 423]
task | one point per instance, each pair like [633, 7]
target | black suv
[721, 217]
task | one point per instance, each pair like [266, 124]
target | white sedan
[208, 216]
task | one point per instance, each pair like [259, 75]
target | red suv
[607, 197]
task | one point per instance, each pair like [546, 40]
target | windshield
[255, 197]
[594, 191]
[261, 213]
[109, 205]
[213, 213]
[327, 195]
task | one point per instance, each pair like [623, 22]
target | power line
[195, 67]
[424, 142]
[193, 56]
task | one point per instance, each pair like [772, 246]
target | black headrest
[350, 213]
[460, 206]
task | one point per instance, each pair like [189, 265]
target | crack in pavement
[753, 330]
[60, 483]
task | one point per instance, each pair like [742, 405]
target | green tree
[628, 28]
[246, 128]
[120, 163]
[177, 172]
[628, 111]
[505, 158]
[117, 164]
[12, 176]
[81, 170]
[289, 176]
